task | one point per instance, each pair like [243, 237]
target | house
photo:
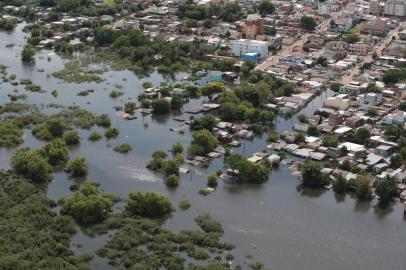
[352, 147]
[215, 76]
[373, 159]
[341, 102]
[370, 99]
[342, 24]
[358, 48]
[336, 119]
[335, 49]
[375, 28]
[384, 150]
[354, 121]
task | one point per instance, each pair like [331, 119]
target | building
[376, 28]
[342, 24]
[395, 8]
[335, 50]
[358, 48]
[374, 7]
[254, 25]
[244, 46]
[370, 99]
[396, 44]
[341, 102]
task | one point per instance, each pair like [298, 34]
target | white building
[243, 46]
[395, 8]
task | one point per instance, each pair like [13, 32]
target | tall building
[395, 8]
[244, 46]
[254, 25]
[374, 7]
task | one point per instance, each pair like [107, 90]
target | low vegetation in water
[123, 148]
[184, 204]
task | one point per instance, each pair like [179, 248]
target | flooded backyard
[276, 222]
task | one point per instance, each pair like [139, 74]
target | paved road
[378, 48]
[289, 50]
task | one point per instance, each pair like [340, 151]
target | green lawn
[109, 2]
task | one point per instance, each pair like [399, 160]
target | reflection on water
[278, 222]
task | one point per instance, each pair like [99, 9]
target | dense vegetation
[33, 236]
[247, 171]
[87, 206]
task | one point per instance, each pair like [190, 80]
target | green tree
[94, 136]
[372, 111]
[386, 189]
[71, 137]
[111, 133]
[340, 185]
[31, 164]
[87, 206]
[330, 140]
[352, 38]
[363, 190]
[396, 161]
[266, 7]
[299, 138]
[10, 135]
[231, 12]
[213, 88]
[335, 87]
[149, 205]
[172, 180]
[247, 171]
[77, 167]
[212, 180]
[303, 118]
[273, 136]
[176, 103]
[56, 127]
[160, 106]
[205, 140]
[177, 148]
[55, 152]
[207, 121]
[308, 23]
[312, 130]
[312, 176]
[129, 107]
[170, 167]
[27, 53]
[103, 120]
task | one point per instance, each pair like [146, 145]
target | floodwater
[276, 222]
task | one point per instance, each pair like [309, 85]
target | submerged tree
[149, 205]
[87, 206]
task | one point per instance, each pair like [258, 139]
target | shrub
[77, 167]
[150, 205]
[94, 136]
[31, 164]
[185, 204]
[87, 206]
[71, 137]
[212, 181]
[172, 180]
[123, 148]
[111, 133]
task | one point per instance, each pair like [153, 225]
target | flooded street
[275, 222]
